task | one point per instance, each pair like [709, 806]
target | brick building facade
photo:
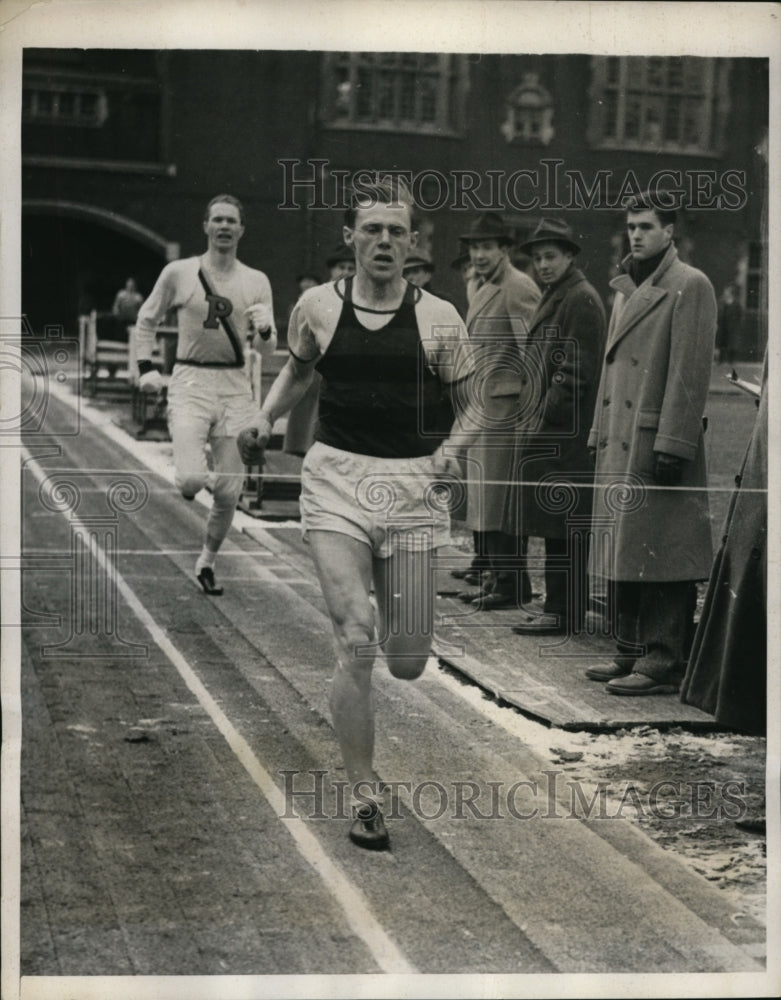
[121, 149]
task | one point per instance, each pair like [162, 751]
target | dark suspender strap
[226, 323]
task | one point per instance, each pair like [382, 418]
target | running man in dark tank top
[395, 363]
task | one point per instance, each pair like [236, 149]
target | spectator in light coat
[647, 441]
[502, 302]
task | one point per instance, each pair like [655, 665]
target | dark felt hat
[340, 252]
[552, 231]
[489, 226]
[458, 262]
[418, 258]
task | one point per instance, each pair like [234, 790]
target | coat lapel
[636, 302]
[482, 296]
[550, 304]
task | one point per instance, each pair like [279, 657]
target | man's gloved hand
[667, 469]
[261, 319]
[252, 441]
[150, 381]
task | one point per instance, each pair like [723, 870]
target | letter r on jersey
[219, 308]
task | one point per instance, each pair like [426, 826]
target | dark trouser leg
[665, 625]
[566, 579]
[506, 556]
[626, 604]
[479, 559]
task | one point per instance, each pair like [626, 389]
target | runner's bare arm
[463, 433]
[289, 386]
[450, 355]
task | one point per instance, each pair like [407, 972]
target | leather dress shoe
[637, 684]
[608, 671]
[543, 624]
[468, 596]
[469, 571]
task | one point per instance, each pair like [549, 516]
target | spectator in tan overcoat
[647, 440]
[502, 302]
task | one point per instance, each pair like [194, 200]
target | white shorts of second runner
[220, 396]
[389, 503]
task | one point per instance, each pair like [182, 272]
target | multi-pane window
[64, 105]
[659, 103]
[97, 105]
[398, 91]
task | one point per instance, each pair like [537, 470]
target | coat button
[628, 404]
[606, 402]
[635, 361]
[603, 443]
[624, 446]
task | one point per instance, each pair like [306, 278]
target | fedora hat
[458, 262]
[552, 231]
[488, 226]
[418, 258]
[340, 252]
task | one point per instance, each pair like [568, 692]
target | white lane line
[157, 458]
[352, 902]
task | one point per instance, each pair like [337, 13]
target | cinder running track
[164, 732]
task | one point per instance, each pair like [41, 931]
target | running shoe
[368, 829]
[206, 579]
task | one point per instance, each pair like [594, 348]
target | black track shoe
[368, 829]
[206, 580]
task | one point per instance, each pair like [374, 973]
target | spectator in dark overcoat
[727, 671]
[563, 360]
[729, 329]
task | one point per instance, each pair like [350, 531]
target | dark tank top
[379, 397]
